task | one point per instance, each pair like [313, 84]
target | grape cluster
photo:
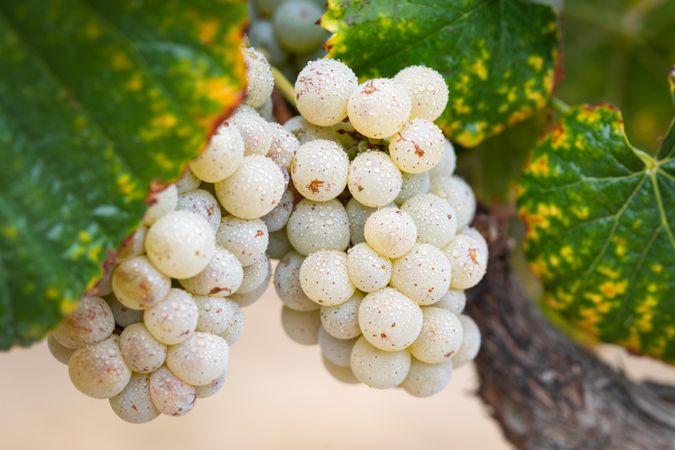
[157, 335]
[286, 31]
[380, 245]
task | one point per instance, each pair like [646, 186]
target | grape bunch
[380, 244]
[156, 335]
[286, 31]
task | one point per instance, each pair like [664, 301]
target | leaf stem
[284, 86]
[559, 105]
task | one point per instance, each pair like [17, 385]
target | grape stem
[559, 105]
[284, 86]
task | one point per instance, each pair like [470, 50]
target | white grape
[222, 277]
[161, 204]
[216, 315]
[435, 219]
[253, 190]
[324, 277]
[59, 352]
[99, 370]
[306, 132]
[276, 219]
[467, 260]
[390, 232]
[279, 244]
[317, 226]
[246, 239]
[413, 184]
[255, 275]
[427, 90]
[266, 111]
[201, 202]
[134, 404]
[337, 351]
[319, 170]
[367, 269]
[423, 274]
[180, 244]
[446, 167]
[251, 297]
[259, 77]
[287, 283]
[264, 7]
[377, 368]
[123, 316]
[301, 326]
[188, 182]
[91, 322]
[379, 108]
[470, 343]
[283, 145]
[343, 374]
[357, 215]
[170, 395]
[389, 320]
[262, 36]
[342, 321]
[295, 24]
[133, 246]
[373, 179]
[222, 156]
[425, 380]
[322, 91]
[140, 350]
[460, 196]
[440, 338]
[209, 389]
[454, 301]
[478, 237]
[417, 147]
[235, 326]
[137, 284]
[174, 319]
[200, 359]
[254, 130]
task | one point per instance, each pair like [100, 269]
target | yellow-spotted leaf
[600, 219]
[498, 56]
[99, 101]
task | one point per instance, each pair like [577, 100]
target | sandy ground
[278, 396]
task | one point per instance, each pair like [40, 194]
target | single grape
[460, 196]
[306, 132]
[343, 374]
[133, 246]
[367, 269]
[161, 204]
[123, 316]
[262, 36]
[373, 179]
[170, 395]
[134, 404]
[478, 237]
[427, 90]
[200, 359]
[454, 301]
[337, 351]
[317, 226]
[322, 91]
[435, 219]
[446, 167]
[91, 322]
[417, 147]
[425, 380]
[470, 343]
[59, 352]
[276, 219]
[209, 389]
[140, 350]
[172, 320]
[342, 321]
[180, 244]
[188, 182]
[390, 232]
[467, 260]
[255, 275]
[137, 284]
[319, 170]
[216, 315]
[423, 274]
[440, 338]
[246, 239]
[222, 156]
[279, 244]
[99, 370]
[254, 130]
[324, 277]
[379, 108]
[357, 215]
[301, 326]
[253, 190]
[283, 145]
[413, 184]
[389, 320]
[377, 368]
[221, 278]
[287, 283]
[202, 203]
[259, 77]
[296, 27]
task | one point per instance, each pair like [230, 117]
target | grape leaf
[498, 56]
[600, 218]
[99, 102]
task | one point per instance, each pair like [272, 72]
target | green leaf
[498, 56]
[600, 218]
[99, 101]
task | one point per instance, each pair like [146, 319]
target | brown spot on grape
[315, 185]
[473, 255]
[369, 88]
[259, 233]
[418, 150]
